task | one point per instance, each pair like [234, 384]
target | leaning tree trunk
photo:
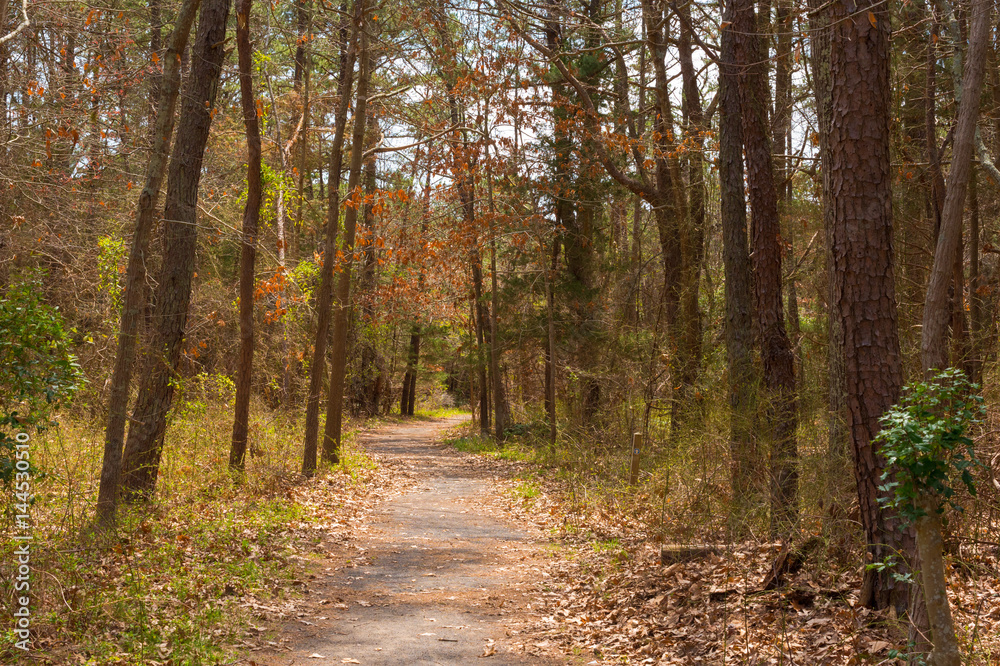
[776, 349]
[134, 297]
[248, 250]
[324, 295]
[937, 314]
[934, 334]
[338, 364]
[173, 296]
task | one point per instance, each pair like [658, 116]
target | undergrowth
[180, 580]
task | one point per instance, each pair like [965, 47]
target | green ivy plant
[37, 370]
[925, 443]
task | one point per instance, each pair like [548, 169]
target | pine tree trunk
[134, 296]
[338, 364]
[862, 271]
[324, 295]
[145, 438]
[248, 248]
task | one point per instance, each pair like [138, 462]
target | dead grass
[200, 575]
[607, 594]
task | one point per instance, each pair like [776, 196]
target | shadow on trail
[435, 580]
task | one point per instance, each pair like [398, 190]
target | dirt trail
[436, 578]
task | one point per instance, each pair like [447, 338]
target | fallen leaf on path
[316, 655]
[348, 660]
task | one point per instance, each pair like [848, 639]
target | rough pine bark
[145, 437]
[738, 281]
[248, 248]
[776, 350]
[134, 296]
[864, 296]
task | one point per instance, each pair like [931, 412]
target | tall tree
[134, 296]
[864, 297]
[324, 295]
[937, 313]
[248, 247]
[338, 364]
[775, 347]
[173, 296]
[738, 278]
[947, 271]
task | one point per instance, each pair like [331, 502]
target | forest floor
[456, 558]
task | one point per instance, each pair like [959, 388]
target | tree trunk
[975, 369]
[937, 313]
[934, 334]
[550, 355]
[317, 369]
[693, 229]
[134, 296]
[145, 436]
[930, 548]
[838, 437]
[864, 296]
[408, 401]
[738, 280]
[248, 249]
[776, 350]
[338, 364]
[367, 380]
[501, 411]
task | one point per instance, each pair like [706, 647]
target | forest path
[438, 577]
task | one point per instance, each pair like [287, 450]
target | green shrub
[37, 370]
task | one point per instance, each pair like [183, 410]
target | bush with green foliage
[925, 443]
[37, 370]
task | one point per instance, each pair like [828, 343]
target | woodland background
[736, 230]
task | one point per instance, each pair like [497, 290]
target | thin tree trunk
[776, 350]
[317, 369]
[738, 279]
[145, 437]
[501, 414]
[338, 364]
[693, 231]
[134, 296]
[975, 369]
[934, 334]
[501, 410]
[248, 249]
[550, 356]
[408, 401]
[838, 438]
[930, 547]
